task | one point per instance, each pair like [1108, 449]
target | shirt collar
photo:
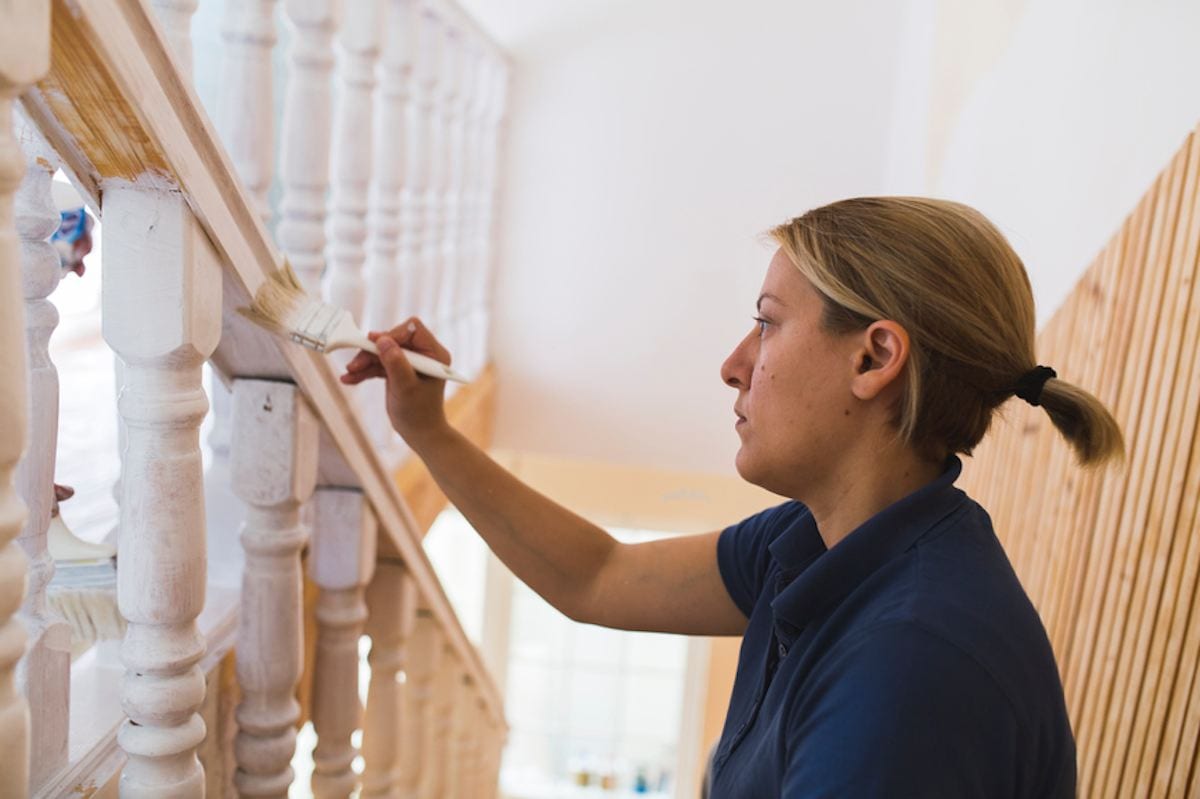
[813, 578]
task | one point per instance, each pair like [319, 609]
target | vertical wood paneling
[1111, 558]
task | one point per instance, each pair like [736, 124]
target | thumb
[393, 360]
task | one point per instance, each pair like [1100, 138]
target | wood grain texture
[1112, 558]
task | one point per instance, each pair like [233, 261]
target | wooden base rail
[408, 230]
[1112, 558]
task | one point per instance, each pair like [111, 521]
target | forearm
[554, 551]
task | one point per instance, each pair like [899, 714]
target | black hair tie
[1029, 386]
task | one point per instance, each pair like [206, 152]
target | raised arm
[669, 585]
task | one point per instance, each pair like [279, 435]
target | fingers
[412, 334]
[354, 378]
[399, 370]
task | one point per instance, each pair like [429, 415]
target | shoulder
[744, 554]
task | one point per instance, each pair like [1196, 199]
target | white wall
[651, 143]
[1071, 110]
[652, 140]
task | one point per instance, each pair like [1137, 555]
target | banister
[115, 107]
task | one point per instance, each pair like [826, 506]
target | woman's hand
[414, 402]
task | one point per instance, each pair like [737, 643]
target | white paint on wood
[176, 19]
[161, 308]
[450, 93]
[357, 54]
[341, 561]
[44, 674]
[274, 471]
[122, 35]
[304, 156]
[24, 57]
[392, 600]
[489, 189]
[247, 113]
[430, 39]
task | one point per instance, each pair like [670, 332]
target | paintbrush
[281, 306]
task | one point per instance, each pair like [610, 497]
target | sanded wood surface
[1110, 558]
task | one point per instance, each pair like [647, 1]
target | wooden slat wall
[1111, 558]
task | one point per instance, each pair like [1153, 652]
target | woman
[889, 649]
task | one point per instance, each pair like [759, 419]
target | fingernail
[412, 327]
[385, 343]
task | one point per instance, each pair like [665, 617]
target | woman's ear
[880, 359]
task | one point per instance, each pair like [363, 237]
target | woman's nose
[737, 367]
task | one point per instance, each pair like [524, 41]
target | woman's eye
[762, 324]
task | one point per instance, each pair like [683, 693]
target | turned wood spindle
[24, 58]
[161, 311]
[351, 165]
[246, 117]
[274, 471]
[419, 768]
[304, 150]
[44, 674]
[341, 561]
[175, 16]
[392, 599]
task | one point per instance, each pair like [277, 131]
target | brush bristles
[278, 298]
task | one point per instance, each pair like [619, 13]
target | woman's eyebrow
[766, 296]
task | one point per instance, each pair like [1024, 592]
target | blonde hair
[943, 272]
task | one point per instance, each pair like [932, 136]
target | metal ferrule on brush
[315, 325]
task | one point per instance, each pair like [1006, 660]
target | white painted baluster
[175, 16]
[430, 40]
[24, 58]
[416, 169]
[161, 310]
[492, 136]
[471, 210]
[247, 115]
[387, 187]
[388, 179]
[341, 562]
[392, 599]
[357, 54]
[304, 157]
[274, 472]
[44, 675]
[443, 261]
[420, 770]
[457, 204]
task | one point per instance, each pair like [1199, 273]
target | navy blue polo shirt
[907, 661]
